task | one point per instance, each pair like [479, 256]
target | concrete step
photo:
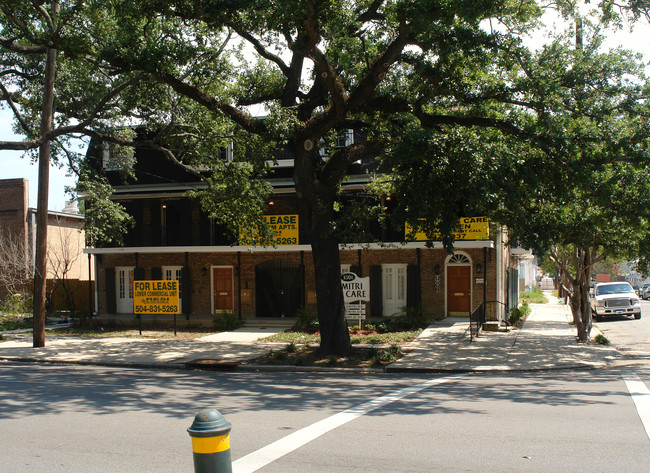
[283, 323]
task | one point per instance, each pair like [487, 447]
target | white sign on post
[355, 290]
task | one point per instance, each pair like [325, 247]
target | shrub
[21, 303]
[411, 318]
[601, 339]
[519, 313]
[536, 296]
[226, 321]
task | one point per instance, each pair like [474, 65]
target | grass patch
[536, 296]
[15, 322]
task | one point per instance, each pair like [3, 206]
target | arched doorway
[279, 288]
[459, 285]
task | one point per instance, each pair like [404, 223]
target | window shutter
[413, 288]
[376, 306]
[356, 270]
[109, 283]
[138, 274]
[156, 273]
[186, 295]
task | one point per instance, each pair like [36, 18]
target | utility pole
[40, 261]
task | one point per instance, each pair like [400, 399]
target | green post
[211, 442]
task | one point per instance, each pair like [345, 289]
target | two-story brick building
[174, 239]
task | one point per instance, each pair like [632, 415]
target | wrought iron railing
[476, 321]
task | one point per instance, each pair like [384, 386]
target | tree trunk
[40, 261]
[580, 305]
[316, 209]
[335, 336]
[581, 309]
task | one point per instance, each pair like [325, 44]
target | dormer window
[344, 138]
[227, 153]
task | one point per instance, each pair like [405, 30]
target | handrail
[476, 321]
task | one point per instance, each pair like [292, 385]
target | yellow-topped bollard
[211, 442]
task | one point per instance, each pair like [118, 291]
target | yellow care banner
[285, 229]
[469, 228]
[155, 297]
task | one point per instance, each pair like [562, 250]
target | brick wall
[200, 264]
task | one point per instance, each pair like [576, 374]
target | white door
[174, 273]
[393, 278]
[124, 289]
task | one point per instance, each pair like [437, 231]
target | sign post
[355, 289]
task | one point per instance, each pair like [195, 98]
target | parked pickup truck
[615, 298]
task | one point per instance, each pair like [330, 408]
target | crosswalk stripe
[641, 397]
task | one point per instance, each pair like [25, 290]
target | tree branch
[10, 45]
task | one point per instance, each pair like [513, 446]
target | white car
[643, 291]
[615, 298]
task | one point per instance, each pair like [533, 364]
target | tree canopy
[452, 103]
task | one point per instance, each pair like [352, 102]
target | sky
[13, 164]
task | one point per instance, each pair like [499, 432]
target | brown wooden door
[458, 291]
[222, 289]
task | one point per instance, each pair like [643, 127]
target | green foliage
[305, 320]
[519, 313]
[381, 356]
[410, 318]
[225, 321]
[536, 296]
[106, 222]
[237, 198]
[602, 340]
[15, 304]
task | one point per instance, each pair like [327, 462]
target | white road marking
[265, 455]
[641, 397]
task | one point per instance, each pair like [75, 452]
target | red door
[222, 289]
[458, 291]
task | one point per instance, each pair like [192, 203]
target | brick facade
[431, 265]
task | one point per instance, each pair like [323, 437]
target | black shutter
[413, 289]
[376, 306]
[138, 274]
[156, 274]
[356, 270]
[109, 283]
[186, 294]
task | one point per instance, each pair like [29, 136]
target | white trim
[500, 273]
[284, 248]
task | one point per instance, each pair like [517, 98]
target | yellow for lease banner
[285, 230]
[469, 228]
[155, 297]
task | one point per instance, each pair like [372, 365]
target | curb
[235, 367]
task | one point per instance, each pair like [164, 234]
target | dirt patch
[359, 357]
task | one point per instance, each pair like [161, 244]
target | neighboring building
[174, 239]
[66, 241]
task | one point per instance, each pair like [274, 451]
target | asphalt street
[77, 419]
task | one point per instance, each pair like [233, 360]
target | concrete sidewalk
[547, 341]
